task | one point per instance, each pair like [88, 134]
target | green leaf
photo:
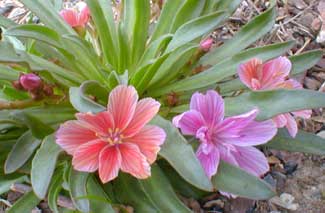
[25, 204]
[154, 48]
[195, 28]
[21, 152]
[303, 142]
[164, 198]
[224, 69]
[181, 156]
[171, 66]
[7, 73]
[191, 9]
[81, 102]
[37, 32]
[77, 185]
[101, 205]
[37, 127]
[7, 181]
[54, 190]
[271, 103]
[137, 16]
[248, 34]
[236, 181]
[166, 18]
[230, 6]
[6, 23]
[102, 15]
[304, 61]
[48, 16]
[43, 165]
[128, 190]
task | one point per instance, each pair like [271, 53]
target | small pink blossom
[206, 44]
[228, 139]
[78, 16]
[30, 81]
[273, 74]
[118, 138]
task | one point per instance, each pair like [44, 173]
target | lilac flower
[228, 139]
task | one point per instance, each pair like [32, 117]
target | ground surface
[299, 179]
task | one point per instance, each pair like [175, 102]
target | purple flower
[228, 139]
[30, 81]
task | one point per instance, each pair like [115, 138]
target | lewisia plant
[106, 107]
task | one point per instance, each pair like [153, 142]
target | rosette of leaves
[160, 60]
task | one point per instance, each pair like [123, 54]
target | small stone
[290, 167]
[270, 180]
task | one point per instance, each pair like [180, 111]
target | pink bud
[30, 81]
[77, 16]
[206, 44]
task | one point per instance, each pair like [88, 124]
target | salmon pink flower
[78, 16]
[273, 74]
[228, 139]
[118, 138]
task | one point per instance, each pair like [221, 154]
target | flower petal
[70, 16]
[255, 133]
[306, 114]
[280, 121]
[109, 163]
[210, 105]
[248, 71]
[145, 110]
[84, 13]
[291, 125]
[122, 103]
[72, 134]
[251, 160]
[99, 122]
[133, 161]
[209, 162]
[149, 140]
[275, 71]
[189, 122]
[86, 157]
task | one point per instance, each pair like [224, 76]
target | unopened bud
[48, 90]
[17, 85]
[30, 81]
[206, 44]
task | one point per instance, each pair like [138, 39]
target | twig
[62, 200]
[304, 46]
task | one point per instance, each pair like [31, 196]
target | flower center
[113, 136]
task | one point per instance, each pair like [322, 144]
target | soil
[299, 179]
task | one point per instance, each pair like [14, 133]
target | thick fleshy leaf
[21, 152]
[7, 73]
[103, 17]
[195, 28]
[233, 180]
[304, 61]
[166, 18]
[81, 102]
[6, 181]
[102, 204]
[248, 34]
[136, 16]
[77, 186]
[43, 166]
[25, 204]
[303, 142]
[165, 198]
[224, 69]
[271, 103]
[181, 156]
[6, 22]
[54, 190]
[191, 9]
[48, 16]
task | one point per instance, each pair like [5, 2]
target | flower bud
[206, 44]
[30, 81]
[17, 85]
[48, 90]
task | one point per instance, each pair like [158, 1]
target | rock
[290, 167]
[285, 201]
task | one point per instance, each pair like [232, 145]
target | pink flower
[206, 44]
[228, 139]
[78, 16]
[273, 74]
[30, 81]
[114, 139]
